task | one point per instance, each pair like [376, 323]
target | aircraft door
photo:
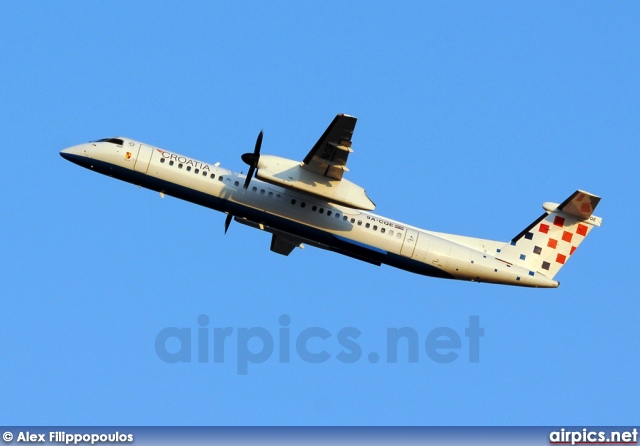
[409, 244]
[438, 252]
[143, 159]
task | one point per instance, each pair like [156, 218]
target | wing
[320, 173]
[328, 157]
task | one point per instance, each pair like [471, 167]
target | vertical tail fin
[546, 244]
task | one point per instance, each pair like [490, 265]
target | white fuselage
[303, 217]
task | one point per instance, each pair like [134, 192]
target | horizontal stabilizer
[581, 204]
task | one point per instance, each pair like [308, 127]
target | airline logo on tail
[548, 243]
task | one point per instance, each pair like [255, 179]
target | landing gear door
[409, 244]
[143, 158]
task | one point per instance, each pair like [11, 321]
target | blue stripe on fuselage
[361, 245]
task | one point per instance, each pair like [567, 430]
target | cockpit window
[116, 141]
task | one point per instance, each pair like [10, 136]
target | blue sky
[470, 115]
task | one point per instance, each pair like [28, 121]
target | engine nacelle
[290, 174]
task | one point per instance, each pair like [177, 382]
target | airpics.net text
[313, 345]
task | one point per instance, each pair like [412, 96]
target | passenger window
[345, 218]
[399, 234]
[221, 179]
[329, 213]
[353, 220]
[293, 201]
[188, 168]
[254, 189]
[314, 208]
[270, 193]
[236, 184]
[337, 215]
[162, 160]
[212, 176]
[368, 225]
[180, 166]
[321, 210]
[382, 230]
[303, 204]
[359, 222]
[375, 228]
[204, 173]
[197, 171]
[171, 163]
[262, 191]
[391, 232]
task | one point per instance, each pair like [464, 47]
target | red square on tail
[558, 221]
[544, 228]
[582, 229]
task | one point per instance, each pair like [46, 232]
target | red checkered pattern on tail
[548, 245]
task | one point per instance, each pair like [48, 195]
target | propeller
[252, 160]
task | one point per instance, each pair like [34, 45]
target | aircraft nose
[66, 154]
[71, 153]
[77, 154]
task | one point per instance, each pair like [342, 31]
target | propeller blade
[252, 160]
[227, 222]
[249, 175]
[256, 149]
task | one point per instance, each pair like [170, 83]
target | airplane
[310, 202]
